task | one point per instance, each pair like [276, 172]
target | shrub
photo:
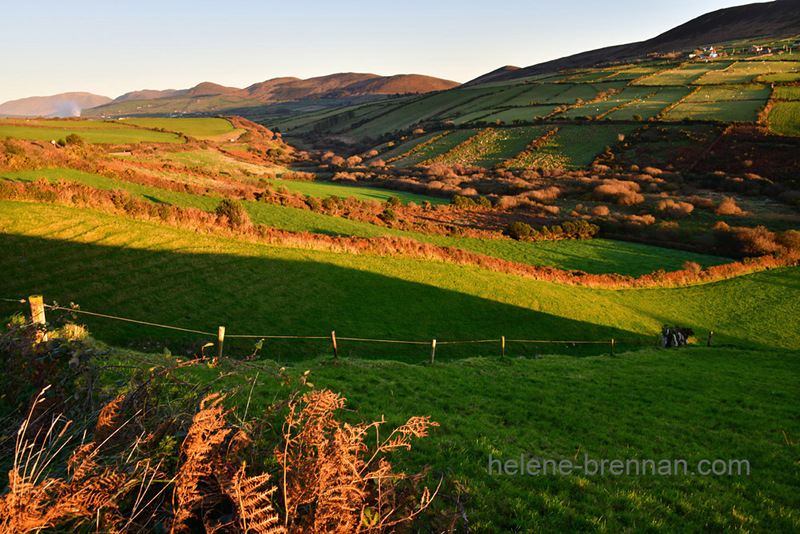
[234, 212]
[674, 210]
[727, 206]
[621, 192]
[388, 215]
[518, 230]
[600, 211]
[74, 139]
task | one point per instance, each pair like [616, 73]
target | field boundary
[38, 307]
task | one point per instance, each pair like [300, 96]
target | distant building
[756, 49]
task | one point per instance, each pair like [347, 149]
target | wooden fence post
[503, 346]
[37, 314]
[612, 346]
[220, 341]
[335, 350]
[710, 333]
[433, 350]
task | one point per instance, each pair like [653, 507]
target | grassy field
[787, 92]
[725, 103]
[201, 128]
[690, 404]
[747, 71]
[684, 75]
[183, 278]
[651, 106]
[94, 134]
[327, 189]
[508, 116]
[784, 118]
[597, 109]
[594, 256]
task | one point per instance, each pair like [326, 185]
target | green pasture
[651, 106]
[784, 118]
[597, 109]
[436, 148]
[201, 128]
[747, 71]
[787, 92]
[112, 135]
[63, 123]
[724, 103]
[684, 75]
[317, 188]
[538, 94]
[528, 113]
[145, 271]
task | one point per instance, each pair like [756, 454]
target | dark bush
[234, 212]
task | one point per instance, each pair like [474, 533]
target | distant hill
[146, 94]
[61, 105]
[207, 97]
[776, 19]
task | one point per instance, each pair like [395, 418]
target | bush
[519, 230]
[388, 215]
[234, 212]
[74, 139]
[621, 192]
[727, 206]
[675, 210]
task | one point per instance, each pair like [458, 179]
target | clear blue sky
[109, 48]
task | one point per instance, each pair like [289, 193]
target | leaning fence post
[710, 333]
[503, 346]
[37, 314]
[433, 350]
[612, 346]
[335, 350]
[220, 341]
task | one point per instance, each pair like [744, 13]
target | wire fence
[38, 307]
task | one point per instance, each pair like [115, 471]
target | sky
[110, 48]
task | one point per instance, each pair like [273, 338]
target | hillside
[780, 18]
[145, 94]
[61, 105]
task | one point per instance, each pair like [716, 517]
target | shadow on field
[268, 296]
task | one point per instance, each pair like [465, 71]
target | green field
[201, 128]
[684, 75]
[787, 92]
[94, 134]
[575, 145]
[651, 106]
[435, 148]
[594, 256]
[747, 71]
[183, 278]
[528, 113]
[688, 404]
[784, 118]
[322, 189]
[598, 109]
[537, 94]
[724, 103]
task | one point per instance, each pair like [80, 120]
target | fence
[37, 310]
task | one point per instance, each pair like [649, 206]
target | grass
[527, 113]
[201, 128]
[435, 148]
[787, 92]
[596, 109]
[651, 106]
[576, 145]
[784, 118]
[747, 71]
[541, 93]
[594, 256]
[327, 189]
[725, 103]
[684, 75]
[215, 162]
[111, 135]
[141, 270]
[688, 404]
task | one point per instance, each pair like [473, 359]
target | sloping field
[651, 106]
[784, 118]
[94, 134]
[182, 278]
[787, 92]
[583, 91]
[539, 94]
[747, 71]
[684, 75]
[201, 128]
[575, 145]
[528, 113]
[491, 146]
[436, 147]
[326, 189]
[589, 255]
[598, 109]
[724, 103]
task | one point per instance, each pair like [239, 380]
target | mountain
[334, 90]
[61, 105]
[146, 94]
[778, 18]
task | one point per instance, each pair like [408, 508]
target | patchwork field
[205, 128]
[784, 118]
